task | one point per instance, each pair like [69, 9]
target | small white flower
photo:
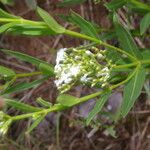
[100, 56]
[88, 53]
[84, 78]
[77, 57]
[75, 70]
[68, 80]
[105, 69]
[60, 55]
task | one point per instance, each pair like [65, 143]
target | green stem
[44, 111]
[69, 32]
[125, 66]
[125, 81]
[132, 64]
[83, 36]
[59, 107]
[145, 61]
[28, 74]
[119, 50]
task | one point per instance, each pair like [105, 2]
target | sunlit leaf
[30, 30]
[67, 100]
[5, 27]
[53, 25]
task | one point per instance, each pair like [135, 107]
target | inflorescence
[86, 66]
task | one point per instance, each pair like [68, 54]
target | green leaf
[44, 66]
[24, 86]
[43, 102]
[115, 4]
[125, 39]
[145, 23]
[4, 14]
[132, 90]
[146, 55]
[53, 25]
[5, 27]
[26, 29]
[98, 106]
[85, 26]
[6, 72]
[137, 6]
[23, 57]
[21, 106]
[46, 69]
[36, 122]
[67, 100]
[71, 2]
[8, 2]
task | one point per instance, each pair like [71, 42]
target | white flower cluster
[81, 65]
[4, 123]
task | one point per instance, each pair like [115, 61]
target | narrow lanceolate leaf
[115, 4]
[53, 25]
[6, 72]
[67, 100]
[5, 27]
[36, 122]
[85, 26]
[138, 6]
[24, 86]
[4, 14]
[145, 23]
[7, 2]
[98, 107]
[25, 57]
[132, 90]
[21, 106]
[125, 39]
[30, 30]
